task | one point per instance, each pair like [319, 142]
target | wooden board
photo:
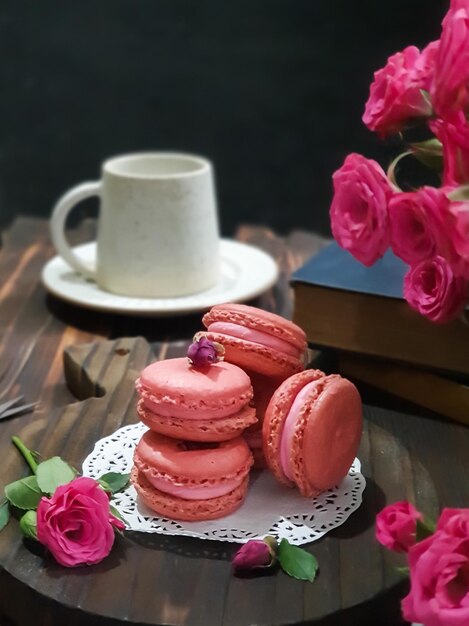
[151, 579]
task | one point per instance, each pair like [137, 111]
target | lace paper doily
[269, 508]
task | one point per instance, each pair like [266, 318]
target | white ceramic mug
[157, 228]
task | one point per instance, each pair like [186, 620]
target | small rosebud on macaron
[202, 352]
[255, 553]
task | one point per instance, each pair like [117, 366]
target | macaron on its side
[191, 481]
[275, 416]
[331, 437]
[312, 431]
[257, 340]
[219, 429]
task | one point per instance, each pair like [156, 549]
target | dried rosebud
[255, 554]
[203, 352]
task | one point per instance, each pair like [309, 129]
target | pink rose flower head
[439, 577]
[202, 352]
[435, 291]
[396, 91]
[359, 209]
[453, 133]
[460, 234]
[425, 65]
[75, 523]
[254, 554]
[450, 85]
[396, 526]
[454, 522]
[421, 225]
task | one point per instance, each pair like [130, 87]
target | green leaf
[431, 146]
[105, 485]
[297, 562]
[424, 529]
[403, 570]
[24, 493]
[28, 525]
[459, 194]
[116, 513]
[53, 473]
[113, 481]
[429, 152]
[4, 514]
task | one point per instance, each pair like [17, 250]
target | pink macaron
[264, 388]
[181, 401]
[312, 429]
[191, 481]
[257, 340]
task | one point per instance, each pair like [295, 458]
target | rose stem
[26, 453]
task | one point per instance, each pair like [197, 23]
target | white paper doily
[269, 508]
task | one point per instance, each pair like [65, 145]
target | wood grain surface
[151, 579]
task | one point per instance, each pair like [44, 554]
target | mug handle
[57, 225]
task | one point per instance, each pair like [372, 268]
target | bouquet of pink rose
[70, 515]
[438, 559]
[428, 228]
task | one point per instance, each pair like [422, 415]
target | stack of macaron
[208, 417]
[265, 345]
[193, 464]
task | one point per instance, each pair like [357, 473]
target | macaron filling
[288, 431]
[192, 470]
[254, 336]
[202, 492]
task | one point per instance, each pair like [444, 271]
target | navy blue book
[335, 267]
[344, 305]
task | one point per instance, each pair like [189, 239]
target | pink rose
[454, 522]
[439, 576]
[434, 290]
[454, 135]
[76, 524]
[425, 64]
[396, 526]
[460, 237]
[359, 209]
[421, 225]
[396, 92]
[253, 554]
[450, 86]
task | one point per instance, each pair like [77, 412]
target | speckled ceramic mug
[157, 229]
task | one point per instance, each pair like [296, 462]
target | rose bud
[396, 526]
[254, 554]
[202, 352]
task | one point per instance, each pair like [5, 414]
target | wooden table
[182, 581]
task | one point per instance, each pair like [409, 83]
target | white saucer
[245, 273]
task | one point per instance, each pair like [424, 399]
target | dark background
[271, 90]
